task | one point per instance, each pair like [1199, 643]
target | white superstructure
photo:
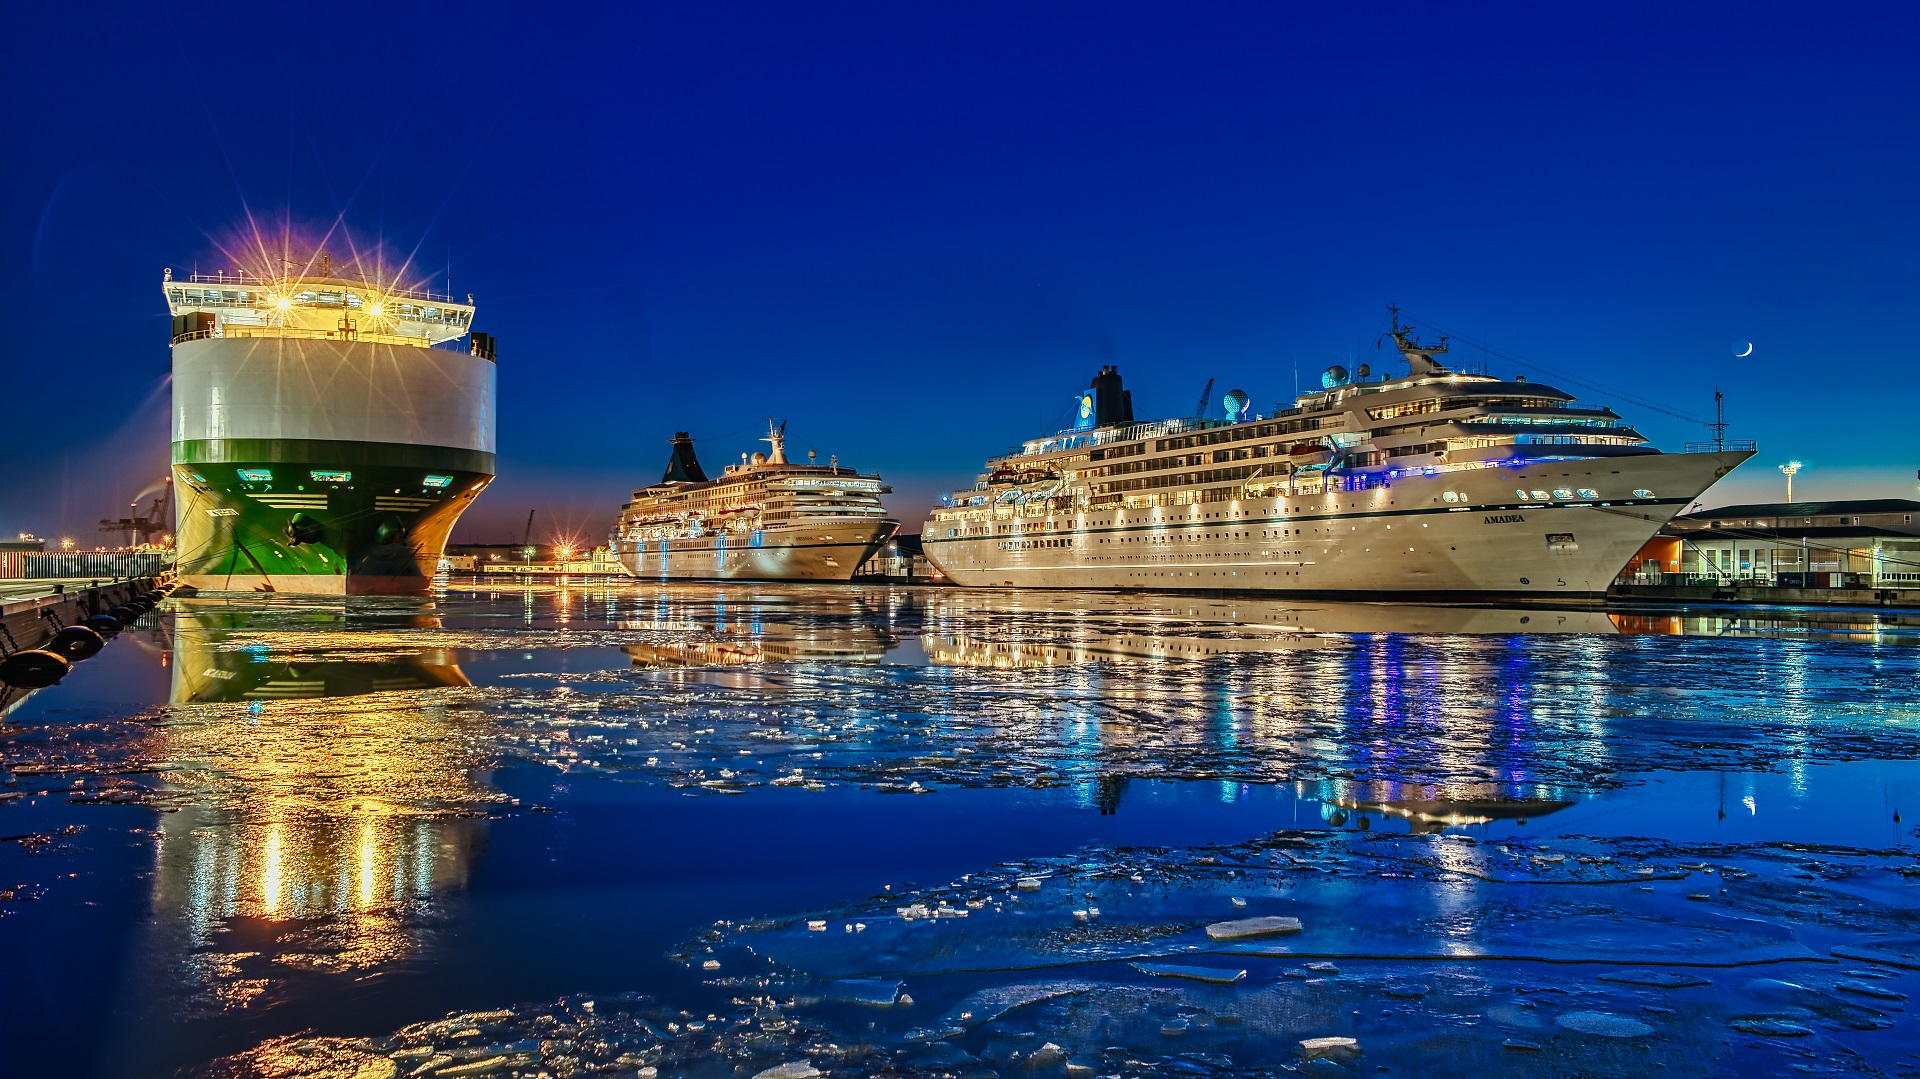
[765, 518]
[1436, 482]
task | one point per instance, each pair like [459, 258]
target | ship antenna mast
[777, 435]
[1719, 423]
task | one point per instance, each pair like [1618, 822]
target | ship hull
[827, 550]
[328, 467]
[380, 533]
[1400, 541]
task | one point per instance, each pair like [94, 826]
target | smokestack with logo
[683, 466]
[1111, 404]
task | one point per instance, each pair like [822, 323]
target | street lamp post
[1790, 468]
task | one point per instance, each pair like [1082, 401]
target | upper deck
[758, 479]
[320, 304]
[1357, 430]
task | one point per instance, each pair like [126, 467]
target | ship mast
[777, 435]
[1419, 357]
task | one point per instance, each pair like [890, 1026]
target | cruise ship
[765, 519]
[1438, 483]
[329, 427]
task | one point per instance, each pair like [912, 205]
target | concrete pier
[32, 611]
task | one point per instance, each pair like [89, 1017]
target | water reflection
[846, 642]
[339, 758]
[228, 652]
[1185, 628]
[332, 770]
[333, 798]
[1164, 614]
[955, 651]
[1429, 814]
[913, 689]
[1782, 623]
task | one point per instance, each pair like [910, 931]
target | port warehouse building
[30, 560]
[1870, 543]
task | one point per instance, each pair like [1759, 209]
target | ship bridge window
[1408, 408]
[437, 481]
[1517, 402]
[1642, 493]
[256, 475]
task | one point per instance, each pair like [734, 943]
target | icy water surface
[651, 830]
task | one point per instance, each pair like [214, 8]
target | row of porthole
[1568, 492]
[1563, 493]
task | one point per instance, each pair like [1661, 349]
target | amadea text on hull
[1438, 482]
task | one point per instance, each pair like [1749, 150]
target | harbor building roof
[1861, 516]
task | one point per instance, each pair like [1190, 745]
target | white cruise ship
[1437, 483]
[764, 519]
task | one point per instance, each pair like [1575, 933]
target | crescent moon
[1743, 355]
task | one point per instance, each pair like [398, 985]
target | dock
[32, 611]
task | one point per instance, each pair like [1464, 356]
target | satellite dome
[1334, 376]
[759, 458]
[1236, 402]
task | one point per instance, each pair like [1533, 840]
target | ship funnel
[683, 466]
[1111, 404]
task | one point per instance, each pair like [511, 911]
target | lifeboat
[1020, 475]
[1309, 456]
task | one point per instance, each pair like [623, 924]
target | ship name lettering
[1505, 519]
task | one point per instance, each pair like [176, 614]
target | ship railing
[1069, 440]
[1725, 445]
[258, 281]
[299, 333]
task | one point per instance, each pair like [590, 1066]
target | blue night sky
[914, 230]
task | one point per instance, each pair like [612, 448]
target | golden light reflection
[745, 640]
[334, 794]
[270, 873]
[369, 857]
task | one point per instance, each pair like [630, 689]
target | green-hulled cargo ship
[328, 429]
